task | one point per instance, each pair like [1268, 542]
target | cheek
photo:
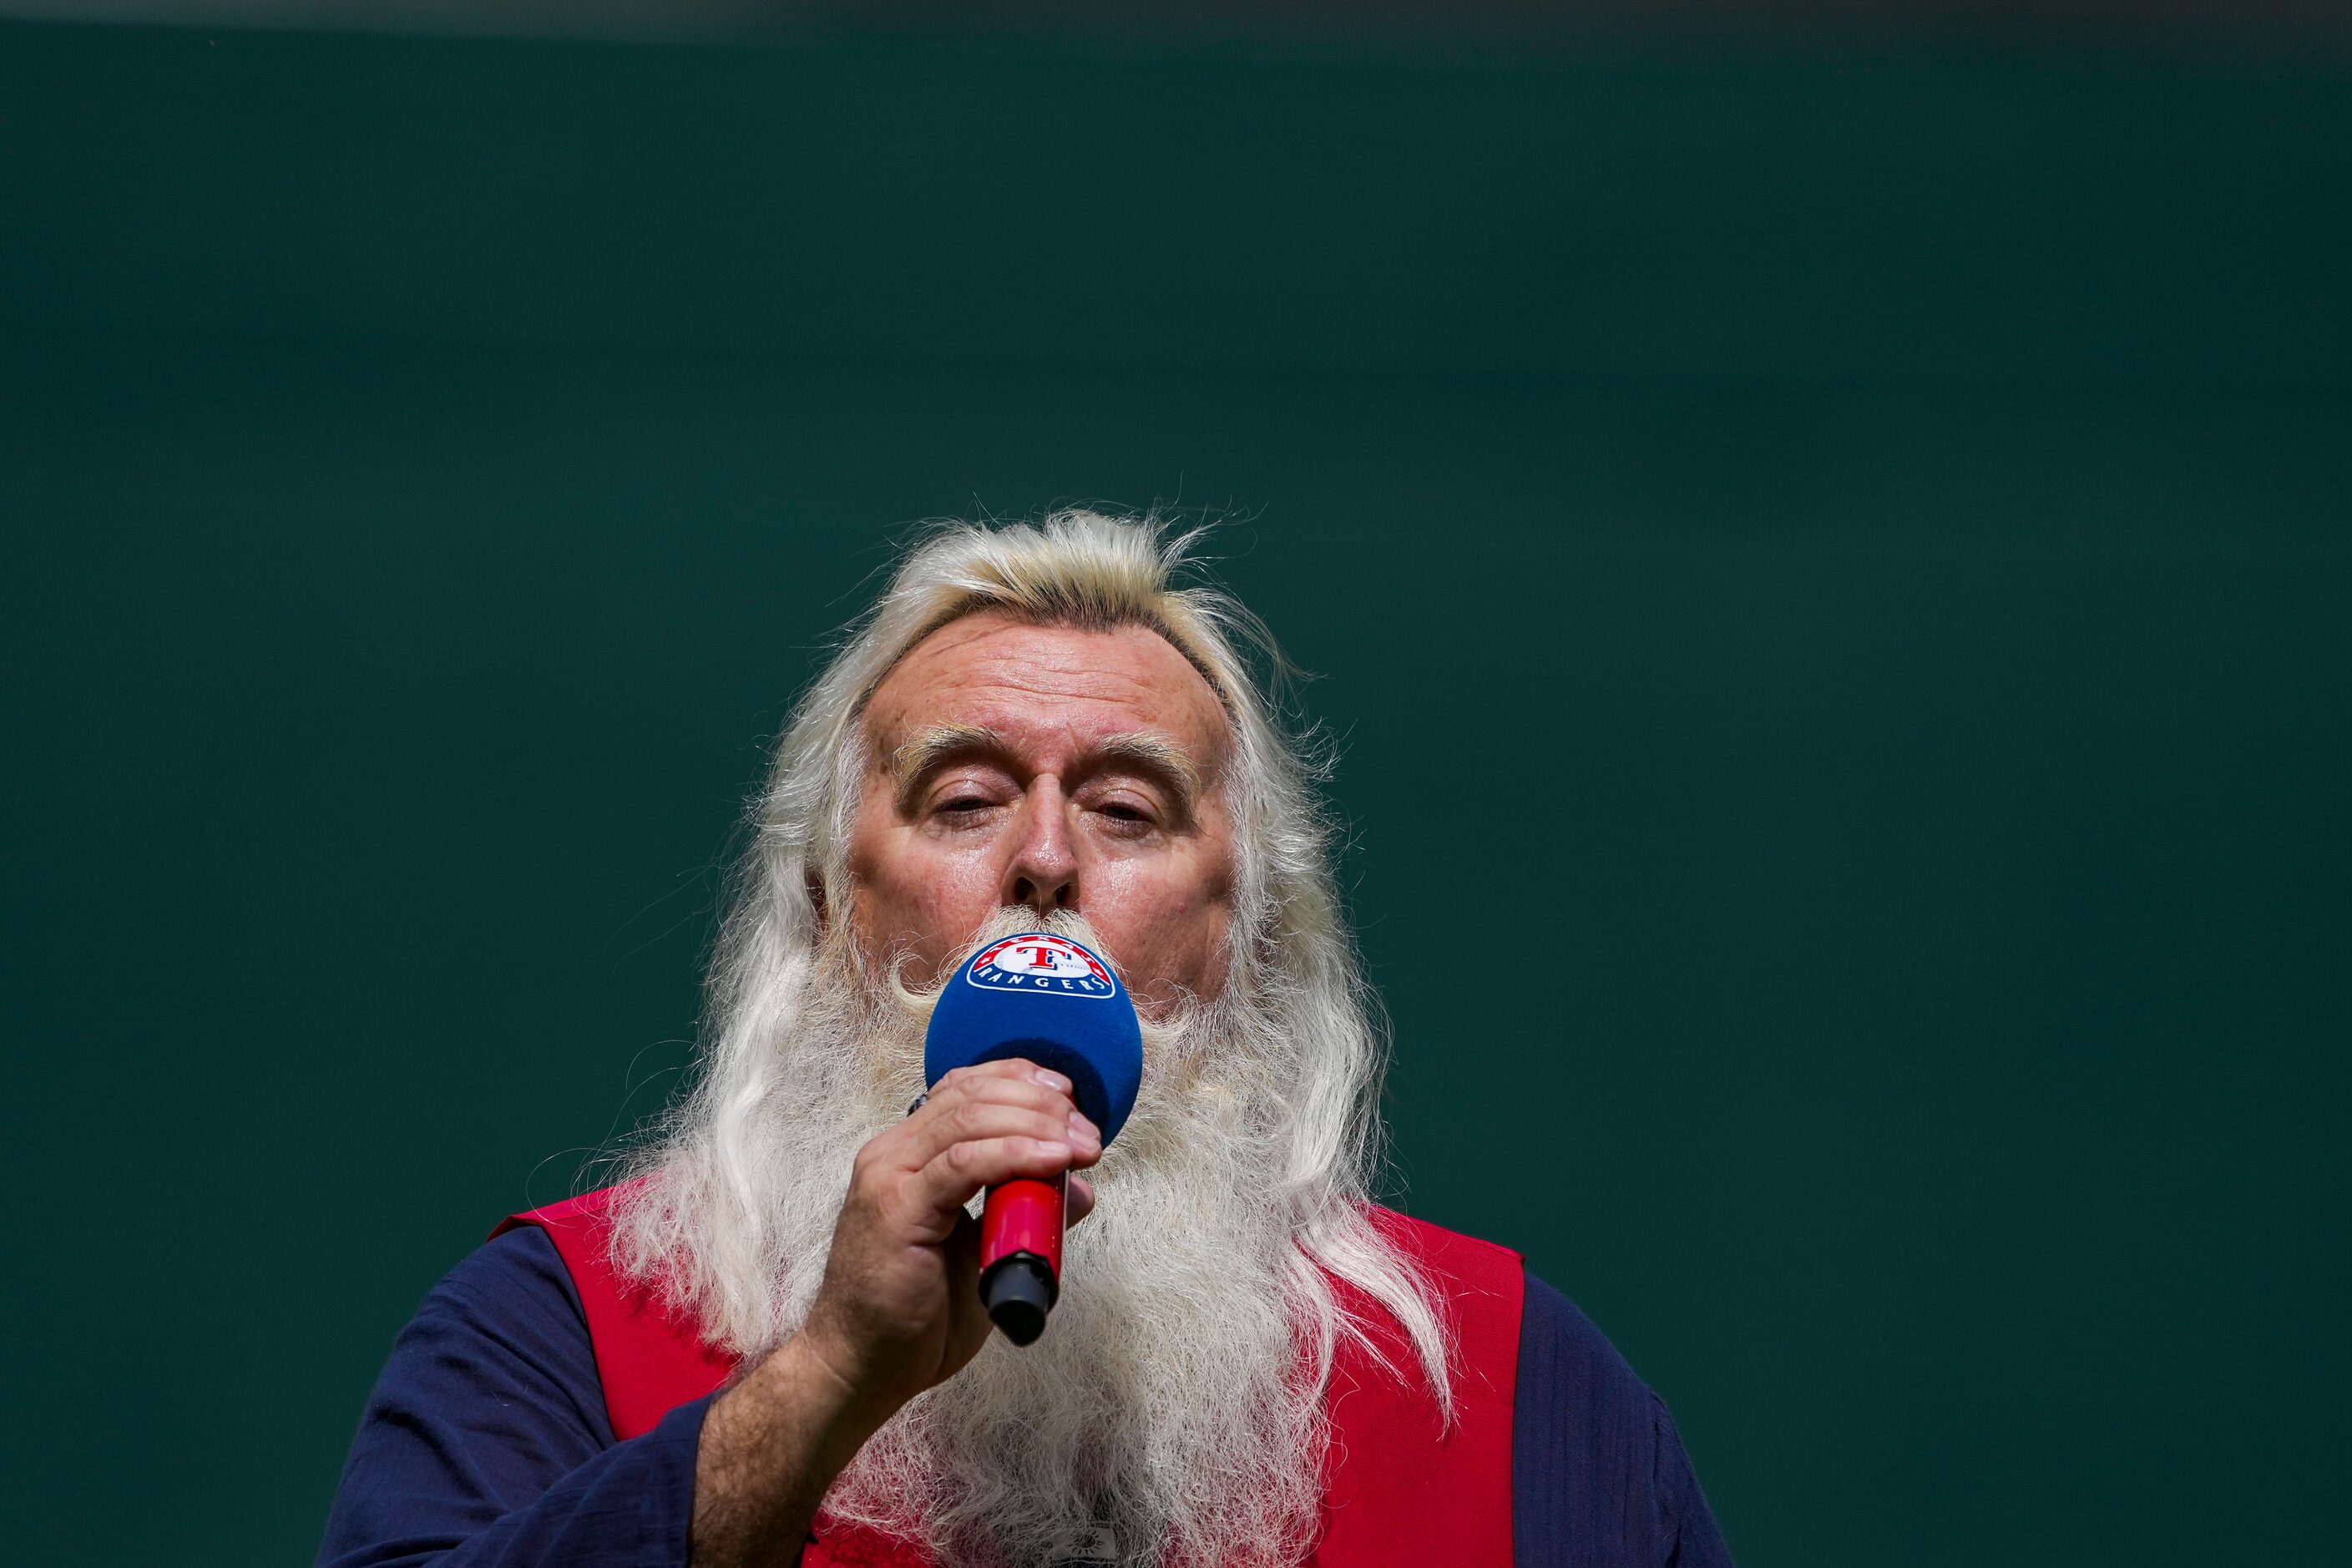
[902, 895]
[1170, 929]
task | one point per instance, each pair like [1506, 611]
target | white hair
[713, 1221]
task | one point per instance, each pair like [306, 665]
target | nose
[1043, 870]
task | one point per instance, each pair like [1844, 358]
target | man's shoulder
[1554, 1332]
[1482, 1287]
[1564, 1347]
[589, 1211]
[1457, 1261]
[517, 1270]
[1448, 1251]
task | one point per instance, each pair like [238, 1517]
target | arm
[898, 1311]
[485, 1441]
[1687, 1523]
[1598, 1472]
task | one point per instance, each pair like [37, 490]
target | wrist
[837, 1416]
[770, 1447]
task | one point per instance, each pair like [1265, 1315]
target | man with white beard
[766, 1344]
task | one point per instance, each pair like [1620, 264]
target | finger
[942, 1188]
[968, 1121]
[1012, 1068]
[956, 1111]
[1008, 1083]
[1081, 1199]
[933, 1126]
[981, 1076]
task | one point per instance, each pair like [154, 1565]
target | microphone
[1056, 1003]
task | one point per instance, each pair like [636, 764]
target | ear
[815, 885]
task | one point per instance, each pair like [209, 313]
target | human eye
[964, 803]
[1126, 815]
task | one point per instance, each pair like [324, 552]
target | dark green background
[1830, 566]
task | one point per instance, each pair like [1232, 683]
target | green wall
[1831, 571]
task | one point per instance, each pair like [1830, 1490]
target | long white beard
[1169, 1413]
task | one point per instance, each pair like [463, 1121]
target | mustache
[1163, 1035]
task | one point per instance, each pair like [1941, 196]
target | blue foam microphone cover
[1053, 1001]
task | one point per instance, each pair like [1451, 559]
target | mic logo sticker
[1038, 961]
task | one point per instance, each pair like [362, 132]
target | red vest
[1396, 1491]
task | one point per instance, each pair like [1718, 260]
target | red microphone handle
[1020, 1254]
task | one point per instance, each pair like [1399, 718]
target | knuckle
[1020, 1096]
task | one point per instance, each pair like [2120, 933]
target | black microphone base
[1018, 1290]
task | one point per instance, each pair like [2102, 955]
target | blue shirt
[485, 1442]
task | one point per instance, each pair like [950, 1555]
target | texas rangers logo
[1038, 961]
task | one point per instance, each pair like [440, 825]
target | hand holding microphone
[1034, 1056]
[900, 1309]
[1033, 1066]
[1046, 999]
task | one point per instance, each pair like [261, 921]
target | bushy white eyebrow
[1156, 752]
[918, 755]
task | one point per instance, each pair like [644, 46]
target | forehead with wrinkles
[1051, 694]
